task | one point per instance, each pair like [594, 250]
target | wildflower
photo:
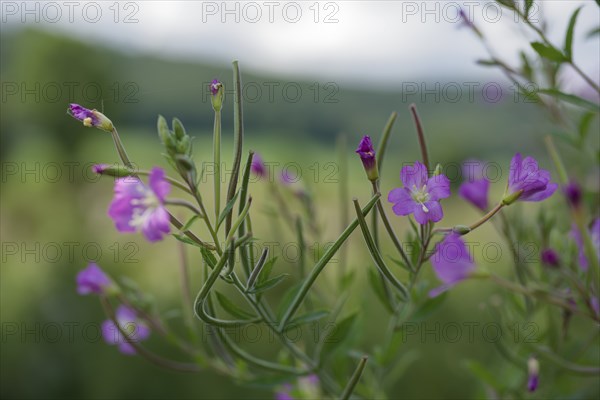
[134, 328]
[572, 192]
[527, 182]
[93, 280]
[550, 257]
[475, 189]
[367, 156]
[451, 262]
[595, 236]
[533, 368]
[217, 92]
[90, 117]
[136, 206]
[258, 166]
[420, 195]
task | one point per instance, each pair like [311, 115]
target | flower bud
[217, 94]
[90, 118]
[573, 194]
[118, 171]
[550, 257]
[367, 156]
[461, 229]
[533, 368]
[164, 133]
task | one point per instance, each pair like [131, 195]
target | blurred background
[313, 72]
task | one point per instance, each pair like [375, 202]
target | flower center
[143, 208]
[420, 196]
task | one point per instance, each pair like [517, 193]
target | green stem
[377, 258]
[186, 204]
[390, 230]
[310, 280]
[354, 379]
[238, 118]
[217, 162]
[486, 217]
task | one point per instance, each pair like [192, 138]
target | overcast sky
[381, 43]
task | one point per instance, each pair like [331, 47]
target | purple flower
[135, 329]
[527, 182]
[595, 236]
[217, 94]
[258, 166]
[214, 87]
[533, 368]
[420, 195]
[93, 280]
[476, 187]
[367, 155]
[451, 262]
[573, 194]
[90, 117]
[550, 257]
[136, 206]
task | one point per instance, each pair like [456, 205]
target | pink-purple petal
[158, 184]
[438, 187]
[414, 175]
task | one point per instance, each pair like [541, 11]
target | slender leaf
[548, 52]
[569, 37]
[306, 318]
[189, 223]
[271, 283]
[528, 5]
[571, 99]
[208, 257]
[231, 308]
[227, 210]
[338, 335]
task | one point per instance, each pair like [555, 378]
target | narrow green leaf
[528, 5]
[271, 283]
[231, 308]
[189, 223]
[257, 268]
[569, 36]
[306, 318]
[208, 257]
[549, 52]
[338, 335]
[488, 63]
[227, 210]
[186, 240]
[571, 99]
[266, 270]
